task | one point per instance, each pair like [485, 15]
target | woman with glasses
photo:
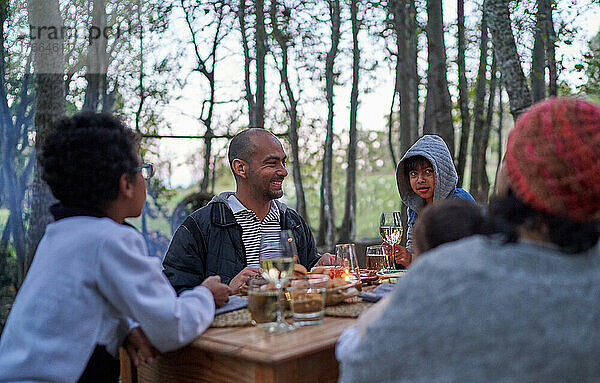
[91, 280]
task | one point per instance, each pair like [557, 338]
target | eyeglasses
[147, 170]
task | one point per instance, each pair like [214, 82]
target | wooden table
[248, 354]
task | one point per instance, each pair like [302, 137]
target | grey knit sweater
[479, 310]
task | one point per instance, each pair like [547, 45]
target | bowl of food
[341, 285]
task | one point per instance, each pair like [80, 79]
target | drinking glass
[390, 229]
[277, 251]
[307, 299]
[345, 259]
[376, 258]
[263, 302]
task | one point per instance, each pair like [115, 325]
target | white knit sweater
[90, 275]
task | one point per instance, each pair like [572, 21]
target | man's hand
[326, 260]
[243, 277]
[139, 347]
[219, 290]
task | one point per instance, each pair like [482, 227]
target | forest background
[348, 85]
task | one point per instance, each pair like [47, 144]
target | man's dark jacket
[209, 242]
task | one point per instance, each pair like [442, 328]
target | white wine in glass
[277, 264]
[390, 229]
[277, 270]
[391, 234]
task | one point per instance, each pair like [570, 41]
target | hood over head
[436, 151]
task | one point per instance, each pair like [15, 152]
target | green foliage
[4, 213]
[591, 67]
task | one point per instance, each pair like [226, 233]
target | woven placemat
[237, 318]
[241, 318]
[347, 310]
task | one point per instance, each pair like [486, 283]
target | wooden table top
[254, 344]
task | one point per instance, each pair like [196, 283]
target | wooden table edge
[211, 342]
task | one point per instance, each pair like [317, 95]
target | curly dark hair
[84, 156]
[508, 212]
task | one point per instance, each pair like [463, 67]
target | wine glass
[277, 252]
[390, 229]
[345, 259]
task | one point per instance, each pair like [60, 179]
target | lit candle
[346, 274]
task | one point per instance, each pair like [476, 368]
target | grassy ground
[7, 296]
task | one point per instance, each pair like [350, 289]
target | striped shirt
[253, 229]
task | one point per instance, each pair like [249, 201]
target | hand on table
[326, 259]
[401, 255]
[243, 277]
[220, 291]
[139, 347]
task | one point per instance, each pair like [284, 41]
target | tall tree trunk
[14, 189]
[397, 12]
[484, 182]
[409, 93]
[291, 108]
[538, 61]
[463, 94]
[500, 123]
[478, 151]
[249, 95]
[506, 53]
[411, 74]
[438, 107]
[348, 223]
[49, 66]
[327, 216]
[97, 60]
[404, 22]
[545, 9]
[141, 89]
[209, 73]
[391, 117]
[261, 52]
[407, 79]
[9, 138]
[138, 118]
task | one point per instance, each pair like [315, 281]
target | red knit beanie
[553, 158]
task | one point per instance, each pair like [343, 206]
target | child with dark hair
[426, 174]
[91, 281]
[448, 221]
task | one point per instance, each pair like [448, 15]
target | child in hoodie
[424, 175]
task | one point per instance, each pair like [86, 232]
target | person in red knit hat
[520, 307]
[552, 174]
